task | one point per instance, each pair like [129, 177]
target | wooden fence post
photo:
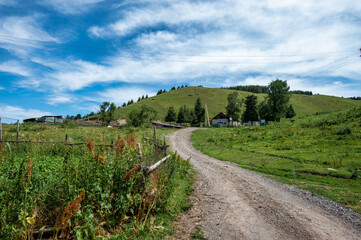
[165, 147]
[140, 154]
[155, 134]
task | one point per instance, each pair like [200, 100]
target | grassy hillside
[217, 100]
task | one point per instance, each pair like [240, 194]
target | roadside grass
[320, 153]
[197, 234]
[217, 101]
[83, 191]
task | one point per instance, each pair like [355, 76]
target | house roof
[59, 116]
[220, 115]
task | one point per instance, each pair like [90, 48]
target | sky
[66, 57]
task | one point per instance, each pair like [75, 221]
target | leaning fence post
[140, 154]
[17, 131]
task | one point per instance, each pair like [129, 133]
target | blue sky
[68, 56]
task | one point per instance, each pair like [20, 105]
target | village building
[48, 119]
[221, 119]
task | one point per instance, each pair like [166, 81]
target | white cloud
[71, 6]
[60, 98]
[202, 41]
[121, 95]
[15, 67]
[20, 113]
[2, 88]
[20, 35]
[25, 28]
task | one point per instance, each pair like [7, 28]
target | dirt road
[234, 203]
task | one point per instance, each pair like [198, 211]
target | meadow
[88, 191]
[320, 153]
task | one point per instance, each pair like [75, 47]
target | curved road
[241, 204]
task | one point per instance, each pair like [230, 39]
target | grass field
[88, 192]
[217, 101]
[56, 133]
[320, 153]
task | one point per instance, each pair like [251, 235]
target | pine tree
[171, 115]
[250, 114]
[198, 112]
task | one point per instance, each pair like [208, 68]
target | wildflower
[31, 220]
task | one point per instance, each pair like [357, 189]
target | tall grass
[82, 192]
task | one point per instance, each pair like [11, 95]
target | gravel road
[234, 203]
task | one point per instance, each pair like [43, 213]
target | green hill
[217, 100]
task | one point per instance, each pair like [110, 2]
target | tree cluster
[78, 116]
[262, 89]
[139, 117]
[276, 102]
[275, 106]
[249, 88]
[173, 88]
[186, 115]
[106, 112]
[355, 98]
[302, 92]
[142, 98]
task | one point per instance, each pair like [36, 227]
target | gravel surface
[235, 203]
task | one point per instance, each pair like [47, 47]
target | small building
[30, 120]
[221, 120]
[49, 119]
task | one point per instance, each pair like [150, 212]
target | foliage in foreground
[88, 192]
[320, 153]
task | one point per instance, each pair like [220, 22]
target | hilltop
[217, 100]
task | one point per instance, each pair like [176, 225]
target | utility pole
[206, 117]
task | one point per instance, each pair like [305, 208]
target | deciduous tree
[234, 106]
[278, 98]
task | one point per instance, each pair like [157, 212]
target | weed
[197, 234]
[85, 192]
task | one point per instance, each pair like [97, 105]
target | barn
[221, 120]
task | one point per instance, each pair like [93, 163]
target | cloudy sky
[67, 56]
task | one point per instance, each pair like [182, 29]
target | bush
[343, 130]
[68, 125]
[138, 117]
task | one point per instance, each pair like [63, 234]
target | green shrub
[68, 125]
[343, 130]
